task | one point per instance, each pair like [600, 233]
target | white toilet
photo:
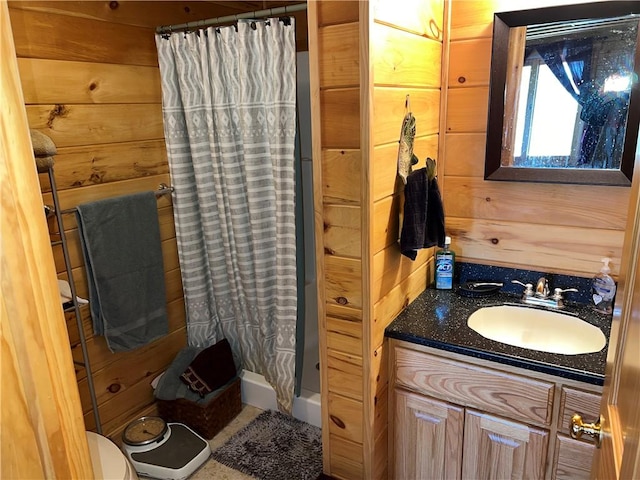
[109, 462]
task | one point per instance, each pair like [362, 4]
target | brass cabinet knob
[578, 427]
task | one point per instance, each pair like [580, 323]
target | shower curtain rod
[267, 12]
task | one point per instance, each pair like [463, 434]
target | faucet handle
[557, 292]
[528, 287]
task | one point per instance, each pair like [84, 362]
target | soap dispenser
[603, 289]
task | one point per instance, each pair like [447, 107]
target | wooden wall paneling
[346, 418]
[381, 461]
[344, 335]
[472, 19]
[464, 154]
[139, 13]
[340, 65]
[367, 140]
[332, 12]
[114, 376]
[420, 17]
[315, 56]
[407, 52]
[142, 14]
[41, 416]
[389, 105]
[469, 62]
[388, 308]
[473, 197]
[385, 223]
[342, 231]
[346, 459]
[344, 312]
[555, 249]
[62, 37]
[77, 124]
[118, 410]
[109, 162]
[467, 109]
[343, 281]
[340, 120]
[64, 82]
[345, 374]
[401, 58]
[391, 268]
[385, 164]
[341, 170]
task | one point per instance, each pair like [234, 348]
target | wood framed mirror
[564, 97]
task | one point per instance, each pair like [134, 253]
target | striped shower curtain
[229, 109]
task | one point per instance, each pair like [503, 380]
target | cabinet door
[573, 459]
[427, 438]
[498, 448]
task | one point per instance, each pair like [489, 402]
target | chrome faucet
[541, 295]
[542, 288]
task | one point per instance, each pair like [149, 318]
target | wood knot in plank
[57, 111]
[97, 176]
[337, 421]
[342, 300]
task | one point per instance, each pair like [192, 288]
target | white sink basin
[534, 329]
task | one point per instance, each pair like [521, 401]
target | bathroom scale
[164, 450]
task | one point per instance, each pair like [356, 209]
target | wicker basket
[206, 419]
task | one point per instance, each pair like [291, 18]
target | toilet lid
[109, 463]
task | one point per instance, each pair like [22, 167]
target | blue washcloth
[120, 240]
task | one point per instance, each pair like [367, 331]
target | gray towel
[120, 240]
[170, 387]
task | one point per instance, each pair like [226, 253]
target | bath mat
[274, 446]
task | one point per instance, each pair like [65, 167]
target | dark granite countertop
[438, 319]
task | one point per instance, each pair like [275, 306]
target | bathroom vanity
[464, 406]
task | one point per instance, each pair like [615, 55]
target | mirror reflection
[564, 102]
[573, 102]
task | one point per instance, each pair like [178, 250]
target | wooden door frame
[42, 433]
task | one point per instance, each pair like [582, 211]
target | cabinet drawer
[574, 401]
[473, 386]
[573, 459]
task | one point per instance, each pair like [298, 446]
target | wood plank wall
[92, 84]
[406, 47]
[548, 227]
[334, 41]
[370, 57]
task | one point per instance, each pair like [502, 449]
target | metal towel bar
[163, 189]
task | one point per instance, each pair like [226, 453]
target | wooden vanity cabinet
[453, 418]
[573, 458]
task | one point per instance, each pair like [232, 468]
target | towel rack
[49, 210]
[55, 210]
